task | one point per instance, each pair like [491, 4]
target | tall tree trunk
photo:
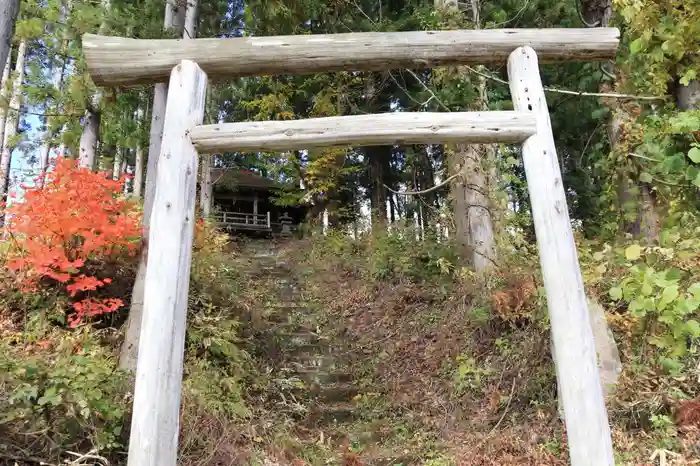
[377, 170]
[93, 119]
[479, 175]
[4, 89]
[173, 22]
[458, 195]
[57, 76]
[9, 10]
[470, 192]
[426, 179]
[11, 125]
[87, 155]
[205, 186]
[205, 183]
[190, 26]
[62, 151]
[44, 155]
[138, 158]
[688, 97]
[117, 167]
[633, 196]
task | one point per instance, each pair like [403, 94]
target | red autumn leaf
[77, 217]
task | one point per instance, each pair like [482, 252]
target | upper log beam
[116, 61]
[365, 130]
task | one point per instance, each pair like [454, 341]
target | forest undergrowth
[470, 356]
[442, 367]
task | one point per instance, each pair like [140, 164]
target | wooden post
[587, 425]
[206, 190]
[155, 422]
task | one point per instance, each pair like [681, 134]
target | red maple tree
[74, 218]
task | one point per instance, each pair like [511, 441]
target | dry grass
[408, 337]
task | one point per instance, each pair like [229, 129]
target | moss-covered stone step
[329, 393]
[323, 414]
[301, 338]
[312, 375]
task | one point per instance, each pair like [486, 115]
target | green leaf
[646, 177]
[669, 295]
[694, 289]
[693, 327]
[696, 181]
[684, 122]
[673, 274]
[637, 308]
[636, 45]
[633, 252]
[50, 397]
[616, 293]
[694, 154]
[671, 365]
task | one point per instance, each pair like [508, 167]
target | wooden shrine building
[243, 201]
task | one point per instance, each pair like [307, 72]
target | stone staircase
[314, 385]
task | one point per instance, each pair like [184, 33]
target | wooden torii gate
[114, 61]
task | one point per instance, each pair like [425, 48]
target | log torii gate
[116, 61]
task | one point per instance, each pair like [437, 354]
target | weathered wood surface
[587, 427]
[120, 61]
[155, 422]
[365, 130]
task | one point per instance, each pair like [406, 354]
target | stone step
[310, 356]
[392, 460]
[329, 414]
[328, 393]
[288, 311]
[320, 363]
[291, 306]
[289, 326]
[324, 376]
[286, 306]
[318, 348]
[265, 272]
[335, 393]
[301, 338]
[279, 322]
[276, 317]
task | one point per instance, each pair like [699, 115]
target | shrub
[60, 392]
[655, 289]
[65, 230]
[213, 344]
[395, 255]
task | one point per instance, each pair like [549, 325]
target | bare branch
[611, 95]
[425, 191]
[429, 90]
